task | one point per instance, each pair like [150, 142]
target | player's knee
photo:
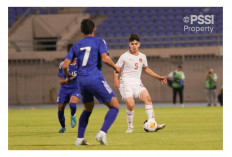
[74, 99]
[113, 103]
[89, 106]
[148, 99]
[61, 107]
[117, 106]
[130, 108]
[89, 110]
[130, 105]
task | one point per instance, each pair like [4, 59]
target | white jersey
[131, 68]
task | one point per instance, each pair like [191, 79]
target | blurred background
[37, 39]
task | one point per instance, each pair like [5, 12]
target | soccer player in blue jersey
[68, 93]
[90, 52]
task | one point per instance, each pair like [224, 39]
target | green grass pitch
[189, 128]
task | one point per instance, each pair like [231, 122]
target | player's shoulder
[100, 40]
[142, 54]
[76, 45]
[124, 55]
[61, 64]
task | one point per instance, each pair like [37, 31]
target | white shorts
[131, 91]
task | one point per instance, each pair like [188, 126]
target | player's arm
[65, 81]
[148, 71]
[106, 59]
[65, 67]
[62, 80]
[116, 80]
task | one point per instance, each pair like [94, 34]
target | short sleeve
[71, 54]
[120, 62]
[103, 47]
[61, 73]
[145, 62]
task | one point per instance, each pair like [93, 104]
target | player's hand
[163, 79]
[68, 80]
[117, 69]
[116, 83]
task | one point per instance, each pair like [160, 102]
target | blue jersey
[90, 78]
[68, 90]
[73, 71]
[88, 53]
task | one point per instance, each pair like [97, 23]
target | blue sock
[109, 119]
[83, 122]
[61, 118]
[73, 108]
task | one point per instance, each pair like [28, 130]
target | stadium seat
[16, 12]
[161, 23]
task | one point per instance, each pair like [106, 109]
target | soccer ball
[150, 125]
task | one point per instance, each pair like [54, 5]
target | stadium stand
[158, 27]
[16, 12]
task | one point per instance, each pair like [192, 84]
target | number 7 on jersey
[86, 56]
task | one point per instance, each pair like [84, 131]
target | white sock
[150, 112]
[129, 117]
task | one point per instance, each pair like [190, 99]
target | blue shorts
[91, 87]
[65, 95]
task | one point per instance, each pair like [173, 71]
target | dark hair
[134, 37]
[87, 26]
[179, 66]
[69, 46]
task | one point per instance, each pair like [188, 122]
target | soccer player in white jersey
[130, 86]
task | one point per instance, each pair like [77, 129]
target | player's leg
[73, 107]
[145, 97]
[61, 117]
[88, 101]
[127, 95]
[110, 117]
[61, 103]
[130, 102]
[104, 93]
[83, 122]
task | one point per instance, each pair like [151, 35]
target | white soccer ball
[150, 125]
